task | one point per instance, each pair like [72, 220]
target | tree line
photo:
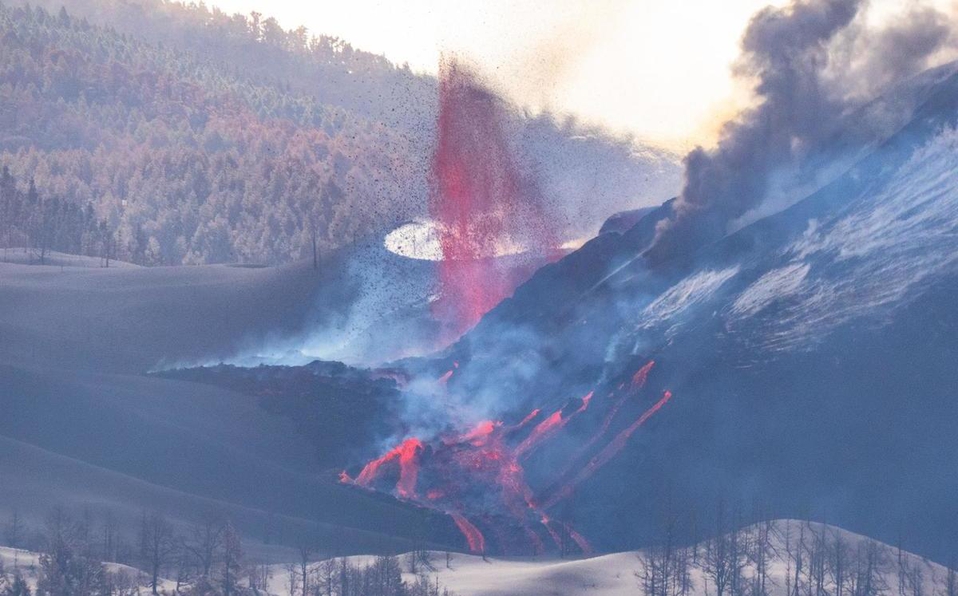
[206, 165]
[225, 138]
[84, 556]
[42, 224]
[790, 557]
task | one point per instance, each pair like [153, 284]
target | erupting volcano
[483, 204]
[477, 476]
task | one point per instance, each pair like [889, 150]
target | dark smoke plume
[804, 88]
[879, 60]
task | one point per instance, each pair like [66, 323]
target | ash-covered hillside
[806, 357]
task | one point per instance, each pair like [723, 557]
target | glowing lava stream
[548, 428]
[608, 452]
[638, 382]
[406, 454]
[478, 472]
[474, 538]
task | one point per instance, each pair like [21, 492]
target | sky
[658, 70]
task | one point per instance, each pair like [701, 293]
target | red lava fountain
[481, 201]
[477, 476]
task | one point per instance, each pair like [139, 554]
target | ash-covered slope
[83, 425]
[78, 342]
[809, 357]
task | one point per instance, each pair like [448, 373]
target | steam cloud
[806, 61]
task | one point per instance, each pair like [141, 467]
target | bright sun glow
[655, 69]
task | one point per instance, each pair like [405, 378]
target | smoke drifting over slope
[809, 76]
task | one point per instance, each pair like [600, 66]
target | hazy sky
[658, 69]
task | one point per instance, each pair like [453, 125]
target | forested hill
[256, 48]
[213, 138]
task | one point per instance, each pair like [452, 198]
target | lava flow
[477, 476]
[637, 383]
[548, 427]
[608, 452]
[474, 538]
[483, 205]
[406, 455]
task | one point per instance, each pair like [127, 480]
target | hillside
[627, 573]
[207, 138]
[849, 563]
[83, 427]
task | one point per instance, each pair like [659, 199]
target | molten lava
[642, 375]
[608, 452]
[548, 427]
[474, 538]
[407, 456]
[638, 382]
[477, 478]
[616, 445]
[529, 418]
[445, 377]
[481, 202]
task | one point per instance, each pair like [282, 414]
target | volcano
[801, 361]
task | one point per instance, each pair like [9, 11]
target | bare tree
[259, 574]
[951, 581]
[817, 560]
[305, 560]
[914, 579]
[870, 561]
[64, 571]
[328, 578]
[232, 559]
[658, 561]
[798, 552]
[387, 577]
[344, 577]
[761, 554]
[15, 532]
[205, 543]
[739, 549]
[724, 557]
[292, 578]
[838, 563]
[420, 559]
[160, 544]
[109, 535]
[185, 567]
[788, 557]
[900, 564]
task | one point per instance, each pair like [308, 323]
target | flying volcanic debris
[483, 204]
[801, 104]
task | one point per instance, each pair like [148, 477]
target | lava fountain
[483, 204]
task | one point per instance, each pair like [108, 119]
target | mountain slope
[84, 426]
[807, 356]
